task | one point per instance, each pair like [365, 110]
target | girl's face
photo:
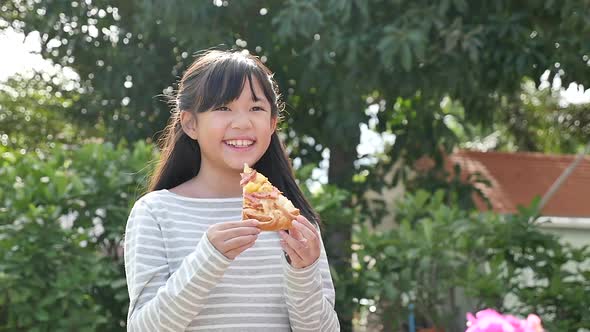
[236, 133]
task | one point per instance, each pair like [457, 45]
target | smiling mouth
[240, 143]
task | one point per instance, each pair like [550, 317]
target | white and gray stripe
[177, 280]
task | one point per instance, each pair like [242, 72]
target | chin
[239, 165]
[234, 162]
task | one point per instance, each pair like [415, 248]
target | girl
[191, 263]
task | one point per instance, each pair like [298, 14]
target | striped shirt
[178, 281]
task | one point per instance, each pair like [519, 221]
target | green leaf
[390, 251]
[391, 292]
[427, 227]
[42, 315]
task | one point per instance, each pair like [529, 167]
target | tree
[34, 112]
[536, 118]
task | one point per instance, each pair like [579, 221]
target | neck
[217, 183]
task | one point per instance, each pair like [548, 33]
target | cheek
[215, 129]
[264, 124]
[266, 133]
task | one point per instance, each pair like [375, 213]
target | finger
[307, 223]
[241, 223]
[238, 231]
[296, 260]
[292, 242]
[237, 251]
[294, 232]
[304, 231]
[239, 241]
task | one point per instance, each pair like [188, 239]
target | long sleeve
[310, 296]
[160, 301]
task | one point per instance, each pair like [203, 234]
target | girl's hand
[302, 243]
[233, 237]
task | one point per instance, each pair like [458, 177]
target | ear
[273, 122]
[188, 121]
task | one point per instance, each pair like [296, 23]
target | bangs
[226, 79]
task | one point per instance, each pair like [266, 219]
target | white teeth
[240, 142]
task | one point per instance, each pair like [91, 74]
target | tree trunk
[338, 233]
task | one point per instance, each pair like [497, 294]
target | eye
[258, 109]
[222, 109]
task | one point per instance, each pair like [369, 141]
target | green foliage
[34, 112]
[421, 261]
[332, 204]
[535, 118]
[61, 226]
[329, 56]
[546, 276]
[439, 252]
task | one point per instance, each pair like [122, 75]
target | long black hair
[214, 79]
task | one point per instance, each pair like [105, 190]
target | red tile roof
[516, 178]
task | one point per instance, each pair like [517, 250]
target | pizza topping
[265, 202]
[248, 177]
[273, 194]
[252, 201]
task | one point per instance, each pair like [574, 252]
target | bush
[62, 217]
[446, 261]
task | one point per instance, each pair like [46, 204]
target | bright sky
[19, 53]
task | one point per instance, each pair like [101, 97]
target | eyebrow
[260, 101]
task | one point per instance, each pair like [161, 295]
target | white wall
[575, 231]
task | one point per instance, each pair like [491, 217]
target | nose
[241, 120]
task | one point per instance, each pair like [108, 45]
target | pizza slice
[265, 203]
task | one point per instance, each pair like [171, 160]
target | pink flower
[533, 323]
[489, 320]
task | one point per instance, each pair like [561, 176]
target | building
[517, 178]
